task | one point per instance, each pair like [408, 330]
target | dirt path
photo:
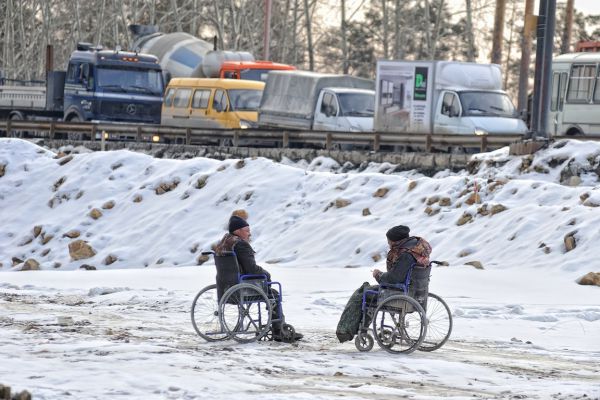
[111, 335]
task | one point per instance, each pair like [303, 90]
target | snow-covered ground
[523, 327]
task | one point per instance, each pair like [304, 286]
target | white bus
[575, 101]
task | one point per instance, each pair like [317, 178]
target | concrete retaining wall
[426, 163]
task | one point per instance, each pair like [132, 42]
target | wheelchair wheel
[205, 315]
[364, 341]
[439, 323]
[399, 324]
[287, 333]
[252, 310]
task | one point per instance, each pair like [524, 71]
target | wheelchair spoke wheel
[399, 324]
[364, 341]
[252, 311]
[205, 315]
[439, 323]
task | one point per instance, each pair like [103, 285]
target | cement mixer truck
[182, 55]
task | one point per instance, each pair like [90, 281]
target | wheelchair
[404, 317]
[239, 307]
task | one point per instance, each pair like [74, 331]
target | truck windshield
[486, 104]
[356, 104]
[130, 80]
[244, 99]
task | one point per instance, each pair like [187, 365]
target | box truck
[303, 100]
[437, 97]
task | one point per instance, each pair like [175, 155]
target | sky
[320, 230]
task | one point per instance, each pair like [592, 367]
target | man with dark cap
[405, 252]
[238, 241]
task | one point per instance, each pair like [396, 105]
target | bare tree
[498, 35]
[310, 48]
[469, 32]
[568, 28]
[343, 36]
[525, 60]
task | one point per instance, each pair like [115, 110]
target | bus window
[169, 97]
[581, 83]
[182, 98]
[562, 86]
[597, 90]
[200, 99]
[555, 91]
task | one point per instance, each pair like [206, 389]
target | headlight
[480, 132]
[245, 124]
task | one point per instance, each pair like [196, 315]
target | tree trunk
[469, 33]
[344, 43]
[283, 48]
[426, 23]
[498, 36]
[510, 44]
[311, 56]
[525, 62]
[398, 48]
[384, 30]
[567, 33]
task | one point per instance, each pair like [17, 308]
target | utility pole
[543, 68]
[267, 33]
[547, 74]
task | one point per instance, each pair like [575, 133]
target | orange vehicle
[251, 70]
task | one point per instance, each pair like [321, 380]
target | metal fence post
[236, 138]
[286, 140]
[52, 132]
[188, 136]
[94, 131]
[484, 143]
[8, 128]
[328, 141]
[138, 136]
[376, 142]
[428, 143]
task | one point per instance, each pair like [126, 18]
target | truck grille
[130, 111]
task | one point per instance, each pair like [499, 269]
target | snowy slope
[305, 216]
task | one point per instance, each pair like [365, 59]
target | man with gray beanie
[238, 240]
[405, 253]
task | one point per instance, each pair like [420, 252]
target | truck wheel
[574, 132]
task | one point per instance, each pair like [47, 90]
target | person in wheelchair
[405, 251]
[237, 240]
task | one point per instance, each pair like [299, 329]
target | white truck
[302, 100]
[430, 97]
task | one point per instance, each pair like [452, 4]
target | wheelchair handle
[208, 253]
[438, 262]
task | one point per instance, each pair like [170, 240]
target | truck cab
[345, 109]
[477, 112]
[251, 70]
[112, 85]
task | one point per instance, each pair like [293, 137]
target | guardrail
[375, 141]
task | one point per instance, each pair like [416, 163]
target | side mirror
[218, 107]
[454, 112]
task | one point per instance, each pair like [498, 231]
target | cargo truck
[99, 85]
[437, 97]
[303, 100]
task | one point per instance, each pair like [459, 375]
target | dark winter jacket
[399, 261]
[244, 254]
